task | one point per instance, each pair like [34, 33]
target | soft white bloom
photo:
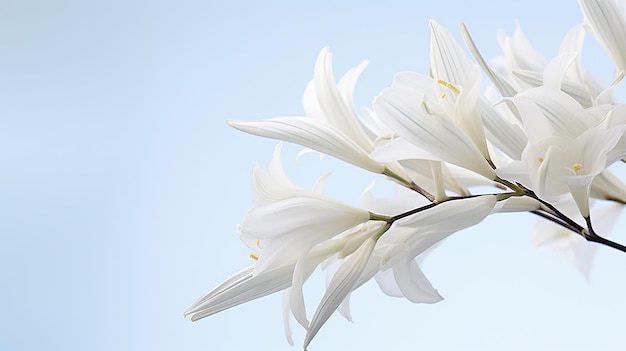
[411, 115]
[440, 114]
[568, 144]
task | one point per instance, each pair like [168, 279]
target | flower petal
[312, 133]
[606, 20]
[340, 286]
[414, 284]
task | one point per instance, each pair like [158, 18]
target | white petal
[339, 110]
[548, 112]
[517, 204]
[414, 284]
[506, 136]
[606, 19]
[505, 88]
[243, 290]
[421, 231]
[287, 316]
[312, 133]
[555, 70]
[400, 149]
[387, 283]
[447, 59]
[340, 286]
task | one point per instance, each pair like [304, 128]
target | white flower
[568, 145]
[407, 111]
[332, 125]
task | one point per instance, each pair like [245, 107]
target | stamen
[577, 167]
[449, 86]
[443, 96]
[540, 159]
[253, 256]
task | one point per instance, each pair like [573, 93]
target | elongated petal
[338, 110]
[447, 59]
[606, 19]
[312, 133]
[274, 185]
[340, 286]
[242, 290]
[286, 316]
[505, 88]
[521, 54]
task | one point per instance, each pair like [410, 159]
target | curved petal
[312, 133]
[340, 286]
[414, 284]
[606, 20]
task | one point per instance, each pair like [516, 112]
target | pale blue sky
[121, 184]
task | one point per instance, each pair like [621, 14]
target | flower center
[577, 167]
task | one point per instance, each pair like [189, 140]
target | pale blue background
[121, 184]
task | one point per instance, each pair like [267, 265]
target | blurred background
[121, 184]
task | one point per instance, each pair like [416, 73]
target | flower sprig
[543, 146]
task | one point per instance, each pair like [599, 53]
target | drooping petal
[287, 316]
[340, 286]
[414, 285]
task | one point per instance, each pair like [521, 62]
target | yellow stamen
[443, 96]
[253, 256]
[449, 86]
[540, 159]
[258, 242]
[577, 167]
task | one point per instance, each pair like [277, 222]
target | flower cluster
[539, 140]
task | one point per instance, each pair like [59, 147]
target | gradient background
[121, 184]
